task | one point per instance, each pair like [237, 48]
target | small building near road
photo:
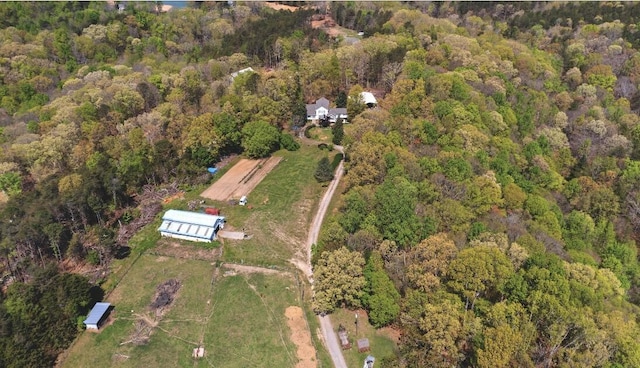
[363, 345]
[344, 339]
[191, 226]
[97, 316]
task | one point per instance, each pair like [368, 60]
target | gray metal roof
[191, 224]
[96, 313]
[194, 218]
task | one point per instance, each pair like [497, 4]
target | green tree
[396, 200]
[380, 295]
[433, 330]
[355, 104]
[288, 142]
[324, 171]
[338, 132]
[260, 139]
[339, 280]
[428, 262]
[479, 272]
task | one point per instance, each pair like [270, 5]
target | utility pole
[356, 325]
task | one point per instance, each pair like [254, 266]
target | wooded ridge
[491, 202]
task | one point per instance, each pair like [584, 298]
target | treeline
[88, 142]
[39, 319]
[491, 200]
[490, 204]
[369, 21]
[257, 38]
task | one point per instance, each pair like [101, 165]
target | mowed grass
[381, 342]
[248, 327]
[279, 212]
[238, 319]
[321, 134]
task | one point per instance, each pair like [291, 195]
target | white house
[321, 110]
[193, 226]
[96, 316]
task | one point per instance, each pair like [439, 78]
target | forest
[490, 209]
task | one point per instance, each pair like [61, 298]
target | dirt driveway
[241, 179]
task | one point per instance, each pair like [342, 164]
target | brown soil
[328, 25]
[241, 179]
[253, 269]
[301, 337]
[179, 195]
[280, 6]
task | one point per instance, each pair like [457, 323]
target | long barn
[193, 226]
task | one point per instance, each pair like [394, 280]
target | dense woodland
[491, 204]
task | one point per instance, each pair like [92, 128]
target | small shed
[198, 352]
[363, 345]
[369, 99]
[97, 316]
[344, 340]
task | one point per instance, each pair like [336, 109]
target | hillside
[490, 208]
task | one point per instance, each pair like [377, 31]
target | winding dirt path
[328, 333]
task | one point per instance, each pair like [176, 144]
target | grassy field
[321, 134]
[238, 319]
[279, 212]
[381, 341]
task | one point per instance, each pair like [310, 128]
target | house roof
[322, 102]
[96, 313]
[368, 98]
[192, 224]
[338, 111]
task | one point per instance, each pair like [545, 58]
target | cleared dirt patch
[281, 6]
[240, 179]
[253, 269]
[301, 337]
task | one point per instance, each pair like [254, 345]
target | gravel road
[328, 332]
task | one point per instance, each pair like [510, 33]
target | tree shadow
[122, 252]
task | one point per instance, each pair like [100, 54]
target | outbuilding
[193, 226]
[97, 316]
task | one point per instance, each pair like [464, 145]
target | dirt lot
[240, 179]
[281, 6]
[301, 337]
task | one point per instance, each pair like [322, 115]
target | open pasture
[239, 318]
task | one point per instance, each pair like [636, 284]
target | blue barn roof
[96, 313]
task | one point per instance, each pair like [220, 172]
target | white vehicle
[243, 201]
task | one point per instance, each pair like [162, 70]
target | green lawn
[321, 134]
[238, 319]
[380, 341]
[248, 326]
[282, 207]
